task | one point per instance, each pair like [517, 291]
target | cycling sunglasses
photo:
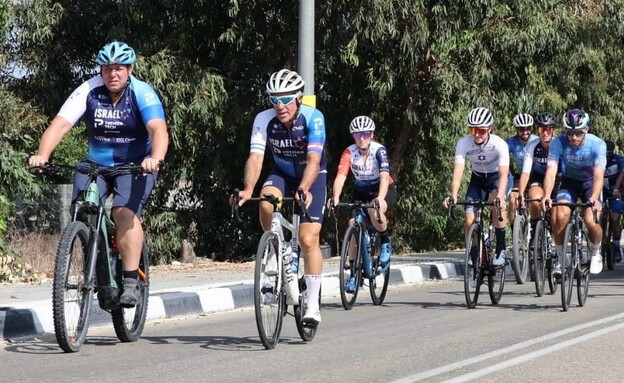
[524, 128]
[360, 135]
[478, 130]
[576, 133]
[545, 129]
[285, 100]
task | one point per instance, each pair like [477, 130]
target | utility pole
[305, 57]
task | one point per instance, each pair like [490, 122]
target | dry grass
[38, 250]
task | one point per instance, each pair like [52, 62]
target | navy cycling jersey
[290, 148]
[615, 165]
[117, 134]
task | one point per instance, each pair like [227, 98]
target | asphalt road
[421, 333]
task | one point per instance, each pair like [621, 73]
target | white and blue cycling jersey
[517, 152]
[578, 163]
[117, 134]
[290, 148]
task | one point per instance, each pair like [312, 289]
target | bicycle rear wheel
[520, 248]
[378, 283]
[607, 250]
[540, 250]
[129, 322]
[582, 270]
[567, 266]
[269, 297]
[306, 332]
[350, 269]
[473, 277]
[71, 297]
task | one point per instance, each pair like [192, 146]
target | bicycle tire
[567, 266]
[540, 250]
[269, 295]
[608, 251]
[472, 266]
[378, 282]
[347, 270]
[582, 271]
[306, 332]
[130, 322]
[496, 282]
[70, 274]
[520, 248]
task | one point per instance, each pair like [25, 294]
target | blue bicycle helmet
[116, 52]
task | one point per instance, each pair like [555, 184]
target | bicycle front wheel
[306, 332]
[567, 266]
[269, 297]
[607, 250]
[582, 269]
[496, 282]
[520, 248]
[71, 297]
[129, 322]
[378, 282]
[350, 268]
[540, 252]
[473, 277]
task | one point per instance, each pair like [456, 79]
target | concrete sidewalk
[26, 310]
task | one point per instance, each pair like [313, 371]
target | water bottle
[292, 284]
[294, 257]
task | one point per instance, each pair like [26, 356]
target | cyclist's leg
[617, 206]
[499, 226]
[560, 217]
[130, 194]
[309, 239]
[382, 228]
[513, 199]
[275, 184]
[594, 231]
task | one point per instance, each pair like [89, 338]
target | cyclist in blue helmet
[125, 122]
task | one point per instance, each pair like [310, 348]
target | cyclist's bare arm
[503, 174]
[549, 181]
[49, 140]
[253, 167]
[339, 182]
[310, 173]
[524, 180]
[458, 172]
[618, 185]
[597, 187]
[157, 129]
[384, 182]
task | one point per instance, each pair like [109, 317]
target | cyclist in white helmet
[490, 179]
[518, 145]
[295, 134]
[125, 123]
[370, 164]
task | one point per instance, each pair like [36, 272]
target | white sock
[594, 248]
[313, 283]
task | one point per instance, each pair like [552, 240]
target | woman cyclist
[369, 162]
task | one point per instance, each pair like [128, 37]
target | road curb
[28, 319]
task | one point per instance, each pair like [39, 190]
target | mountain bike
[480, 252]
[88, 262]
[359, 255]
[542, 257]
[575, 261]
[608, 249]
[271, 272]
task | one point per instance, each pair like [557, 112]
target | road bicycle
[359, 255]
[272, 271]
[88, 262]
[480, 252]
[520, 242]
[542, 256]
[608, 249]
[575, 261]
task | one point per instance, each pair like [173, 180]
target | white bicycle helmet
[285, 81]
[523, 120]
[480, 117]
[362, 124]
[575, 119]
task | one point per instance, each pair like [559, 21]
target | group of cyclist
[295, 134]
[125, 123]
[542, 168]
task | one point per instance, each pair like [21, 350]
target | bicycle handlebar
[358, 204]
[479, 204]
[574, 205]
[270, 198]
[93, 170]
